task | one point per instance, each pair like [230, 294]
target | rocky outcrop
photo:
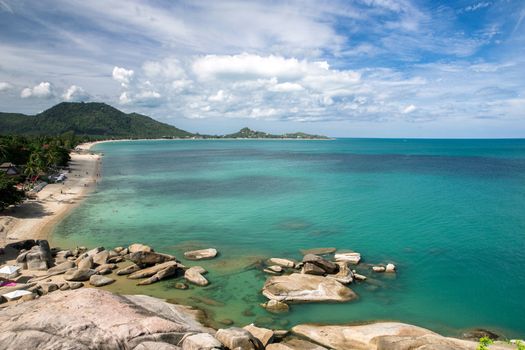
[325, 265]
[306, 288]
[37, 258]
[95, 319]
[383, 336]
[238, 338]
[160, 275]
[201, 254]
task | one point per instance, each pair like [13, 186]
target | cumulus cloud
[4, 86]
[75, 93]
[409, 109]
[42, 90]
[286, 87]
[122, 75]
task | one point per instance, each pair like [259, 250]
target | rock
[359, 277]
[75, 285]
[381, 336]
[94, 251]
[138, 247]
[295, 344]
[85, 263]
[115, 259]
[62, 256]
[193, 275]
[118, 249]
[37, 258]
[101, 258]
[79, 275]
[324, 264]
[61, 268]
[378, 268]
[92, 318]
[318, 251]
[275, 306]
[234, 338]
[264, 335]
[306, 288]
[99, 281]
[209, 253]
[345, 275]
[106, 267]
[271, 272]
[275, 268]
[312, 269]
[390, 268]
[155, 345]
[160, 275]
[128, 270]
[124, 252]
[144, 259]
[64, 286]
[201, 341]
[181, 285]
[150, 271]
[350, 257]
[47, 287]
[79, 251]
[281, 262]
[104, 271]
[476, 334]
[226, 322]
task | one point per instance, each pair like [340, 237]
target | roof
[7, 165]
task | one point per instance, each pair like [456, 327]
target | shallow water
[449, 213]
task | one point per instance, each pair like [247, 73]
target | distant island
[101, 121]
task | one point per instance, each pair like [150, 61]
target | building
[9, 169]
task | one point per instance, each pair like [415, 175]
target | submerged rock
[276, 306]
[201, 254]
[318, 251]
[378, 268]
[390, 268]
[306, 288]
[194, 275]
[281, 262]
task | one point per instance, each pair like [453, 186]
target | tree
[9, 194]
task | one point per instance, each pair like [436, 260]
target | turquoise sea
[449, 213]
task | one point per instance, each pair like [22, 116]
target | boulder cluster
[70, 269]
[321, 276]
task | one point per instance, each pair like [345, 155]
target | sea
[450, 214]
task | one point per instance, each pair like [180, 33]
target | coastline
[35, 219]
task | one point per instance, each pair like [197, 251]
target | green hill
[247, 133]
[91, 119]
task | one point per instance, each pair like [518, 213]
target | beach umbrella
[16, 294]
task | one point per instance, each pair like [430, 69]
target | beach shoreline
[36, 219]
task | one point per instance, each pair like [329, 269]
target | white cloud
[409, 109]
[122, 75]
[286, 87]
[42, 90]
[218, 97]
[75, 93]
[4, 86]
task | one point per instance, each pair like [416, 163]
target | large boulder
[144, 258]
[136, 247]
[37, 258]
[85, 262]
[281, 262]
[160, 275]
[306, 288]
[62, 256]
[238, 338]
[275, 306]
[264, 335]
[344, 275]
[95, 319]
[101, 258]
[201, 254]
[194, 275]
[128, 270]
[150, 271]
[349, 257]
[383, 336]
[327, 266]
[99, 281]
[61, 268]
[79, 275]
[201, 341]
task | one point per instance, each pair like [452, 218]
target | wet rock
[201, 254]
[378, 268]
[137, 247]
[312, 269]
[306, 288]
[295, 344]
[390, 268]
[101, 258]
[350, 257]
[144, 259]
[181, 285]
[344, 275]
[79, 275]
[160, 275]
[318, 251]
[275, 268]
[476, 334]
[99, 281]
[150, 271]
[61, 268]
[128, 270]
[234, 338]
[282, 262]
[327, 266]
[201, 341]
[264, 335]
[275, 306]
[194, 275]
[359, 277]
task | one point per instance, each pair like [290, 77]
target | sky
[362, 68]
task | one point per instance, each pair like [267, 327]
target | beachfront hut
[9, 271]
[17, 294]
[9, 169]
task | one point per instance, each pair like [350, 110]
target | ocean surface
[449, 213]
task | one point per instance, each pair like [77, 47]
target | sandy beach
[34, 219]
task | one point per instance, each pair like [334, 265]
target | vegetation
[247, 133]
[9, 194]
[484, 343]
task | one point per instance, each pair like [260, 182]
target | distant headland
[102, 121]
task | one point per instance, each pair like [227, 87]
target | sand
[34, 219]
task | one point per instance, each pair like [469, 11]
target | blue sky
[363, 68]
